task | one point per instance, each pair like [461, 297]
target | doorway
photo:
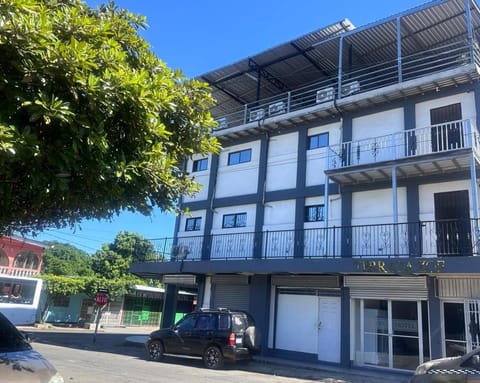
[452, 222]
[447, 128]
[393, 333]
[308, 323]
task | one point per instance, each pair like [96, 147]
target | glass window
[200, 165]
[314, 213]
[205, 322]
[318, 141]
[187, 323]
[17, 291]
[240, 157]
[454, 321]
[193, 224]
[223, 321]
[234, 220]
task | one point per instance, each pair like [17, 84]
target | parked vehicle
[19, 363]
[455, 369]
[214, 335]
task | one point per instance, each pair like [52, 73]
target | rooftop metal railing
[359, 79]
[389, 240]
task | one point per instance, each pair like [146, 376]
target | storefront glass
[392, 333]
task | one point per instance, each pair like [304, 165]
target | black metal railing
[417, 239]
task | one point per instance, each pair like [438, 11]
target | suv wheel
[213, 357]
[155, 350]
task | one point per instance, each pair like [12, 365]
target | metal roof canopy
[315, 56]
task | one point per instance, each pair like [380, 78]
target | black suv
[214, 335]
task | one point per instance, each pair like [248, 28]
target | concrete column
[169, 305]
[259, 306]
[435, 320]
[345, 328]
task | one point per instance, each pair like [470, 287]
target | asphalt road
[112, 359]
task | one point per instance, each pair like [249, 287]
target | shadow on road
[104, 342]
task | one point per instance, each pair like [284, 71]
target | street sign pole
[101, 299]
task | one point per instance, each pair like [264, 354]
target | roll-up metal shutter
[312, 281]
[234, 297]
[230, 279]
[458, 287]
[383, 287]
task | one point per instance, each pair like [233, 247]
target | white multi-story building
[342, 211]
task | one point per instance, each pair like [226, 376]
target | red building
[20, 256]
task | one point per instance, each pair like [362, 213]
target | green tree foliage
[69, 271]
[91, 121]
[114, 260]
[65, 259]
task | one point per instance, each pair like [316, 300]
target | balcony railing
[17, 271]
[356, 80]
[446, 137]
[417, 239]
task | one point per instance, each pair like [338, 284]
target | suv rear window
[240, 323]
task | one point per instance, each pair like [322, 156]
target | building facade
[342, 211]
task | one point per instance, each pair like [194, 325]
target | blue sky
[200, 36]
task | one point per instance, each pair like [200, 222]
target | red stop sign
[101, 299]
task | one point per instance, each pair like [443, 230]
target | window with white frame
[234, 220]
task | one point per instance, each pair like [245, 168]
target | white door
[296, 323]
[329, 329]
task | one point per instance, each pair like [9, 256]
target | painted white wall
[191, 214]
[239, 179]
[279, 222]
[282, 162]
[192, 240]
[316, 161]
[279, 215]
[220, 212]
[200, 177]
[316, 239]
[334, 211]
[376, 206]
[422, 109]
[239, 243]
[378, 124]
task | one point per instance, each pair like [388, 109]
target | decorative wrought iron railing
[417, 239]
[356, 80]
[445, 137]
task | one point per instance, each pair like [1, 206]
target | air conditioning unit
[324, 95]
[256, 115]
[350, 88]
[179, 252]
[276, 108]
[222, 123]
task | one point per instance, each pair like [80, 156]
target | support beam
[399, 49]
